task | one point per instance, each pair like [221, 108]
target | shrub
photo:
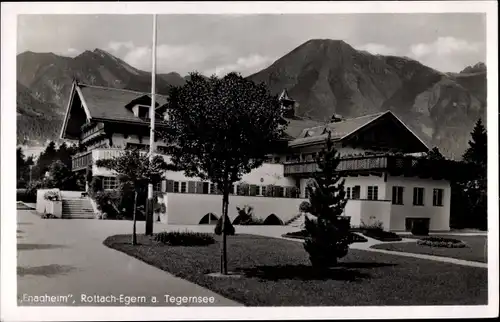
[246, 217]
[95, 186]
[32, 188]
[305, 206]
[381, 235]
[107, 203]
[243, 189]
[441, 242]
[378, 225]
[229, 228]
[420, 228]
[187, 238]
[21, 195]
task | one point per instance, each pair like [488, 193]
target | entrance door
[410, 221]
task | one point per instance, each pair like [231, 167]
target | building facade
[385, 181]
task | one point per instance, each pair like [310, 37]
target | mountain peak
[101, 51]
[477, 68]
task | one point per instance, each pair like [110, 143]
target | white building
[383, 182]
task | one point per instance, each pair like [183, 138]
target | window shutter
[253, 190]
[170, 185]
[191, 186]
[199, 187]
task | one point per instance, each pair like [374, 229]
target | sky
[218, 44]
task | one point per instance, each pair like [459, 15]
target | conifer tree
[476, 187]
[329, 232]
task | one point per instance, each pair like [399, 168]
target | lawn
[276, 272]
[473, 252]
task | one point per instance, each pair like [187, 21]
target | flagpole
[149, 205]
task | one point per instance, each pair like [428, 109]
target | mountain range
[324, 76]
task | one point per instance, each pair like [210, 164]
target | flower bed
[184, 238]
[441, 242]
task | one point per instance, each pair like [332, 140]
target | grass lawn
[276, 272]
[474, 252]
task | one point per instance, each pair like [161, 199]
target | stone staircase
[298, 222]
[77, 208]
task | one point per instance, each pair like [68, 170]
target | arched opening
[208, 219]
[237, 220]
[272, 219]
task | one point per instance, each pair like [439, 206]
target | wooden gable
[387, 133]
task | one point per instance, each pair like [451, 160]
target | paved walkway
[371, 242]
[61, 257]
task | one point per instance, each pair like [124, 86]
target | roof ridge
[118, 89]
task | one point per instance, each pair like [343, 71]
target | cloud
[179, 58]
[244, 65]
[116, 46]
[73, 51]
[448, 54]
[444, 46]
[378, 49]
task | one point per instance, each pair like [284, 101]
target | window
[262, 190]
[176, 186]
[397, 195]
[418, 196]
[213, 188]
[356, 192]
[348, 193]
[109, 183]
[437, 197]
[281, 191]
[206, 187]
[372, 192]
[157, 187]
[143, 111]
[183, 187]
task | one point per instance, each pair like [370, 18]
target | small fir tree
[329, 232]
[476, 187]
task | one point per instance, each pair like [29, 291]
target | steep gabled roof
[338, 129]
[110, 103]
[297, 125]
[344, 129]
[107, 104]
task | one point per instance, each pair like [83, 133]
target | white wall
[439, 216]
[376, 211]
[353, 209]
[188, 209]
[368, 212]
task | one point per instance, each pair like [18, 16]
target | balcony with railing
[84, 159]
[392, 164]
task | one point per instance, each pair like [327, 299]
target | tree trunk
[225, 201]
[134, 233]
